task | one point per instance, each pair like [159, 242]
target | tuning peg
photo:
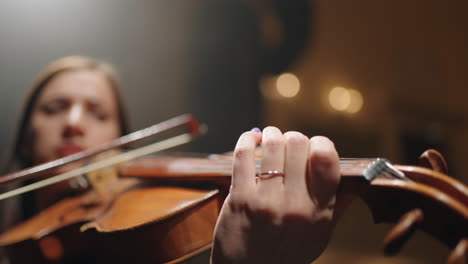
[460, 254]
[402, 231]
[432, 159]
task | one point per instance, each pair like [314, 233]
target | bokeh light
[339, 98]
[356, 103]
[345, 100]
[288, 85]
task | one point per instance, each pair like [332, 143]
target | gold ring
[270, 174]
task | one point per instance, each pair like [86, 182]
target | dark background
[409, 60]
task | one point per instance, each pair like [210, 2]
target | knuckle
[323, 152]
[242, 151]
[265, 208]
[299, 207]
[274, 143]
[324, 216]
[238, 199]
[308, 213]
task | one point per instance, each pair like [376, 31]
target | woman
[74, 104]
[288, 209]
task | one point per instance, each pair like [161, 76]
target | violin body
[144, 224]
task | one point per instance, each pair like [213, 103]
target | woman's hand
[287, 213]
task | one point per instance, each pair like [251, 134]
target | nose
[74, 122]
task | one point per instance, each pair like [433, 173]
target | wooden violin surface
[151, 224]
[442, 200]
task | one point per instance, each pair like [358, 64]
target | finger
[324, 172]
[272, 158]
[295, 163]
[244, 167]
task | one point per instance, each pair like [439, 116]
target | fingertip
[296, 138]
[322, 141]
[255, 129]
[246, 145]
[248, 136]
[271, 129]
[323, 151]
[271, 137]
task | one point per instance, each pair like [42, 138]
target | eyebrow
[95, 102]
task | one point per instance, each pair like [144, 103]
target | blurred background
[380, 78]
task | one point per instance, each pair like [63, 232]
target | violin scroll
[429, 200]
[402, 231]
[432, 159]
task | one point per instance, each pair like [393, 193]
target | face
[76, 110]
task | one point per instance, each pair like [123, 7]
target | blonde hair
[65, 64]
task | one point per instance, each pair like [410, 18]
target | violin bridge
[383, 167]
[100, 179]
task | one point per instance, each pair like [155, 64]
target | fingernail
[255, 129]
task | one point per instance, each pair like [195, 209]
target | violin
[156, 210]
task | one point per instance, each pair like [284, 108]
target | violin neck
[200, 169]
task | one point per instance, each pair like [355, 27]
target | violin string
[343, 161]
[345, 164]
[152, 148]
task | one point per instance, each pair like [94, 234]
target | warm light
[356, 101]
[288, 85]
[346, 100]
[339, 98]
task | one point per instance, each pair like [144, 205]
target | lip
[68, 149]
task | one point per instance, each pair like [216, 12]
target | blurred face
[75, 111]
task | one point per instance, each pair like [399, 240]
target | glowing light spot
[345, 100]
[356, 101]
[339, 98]
[288, 85]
